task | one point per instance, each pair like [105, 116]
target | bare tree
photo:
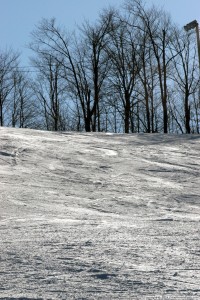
[131, 71]
[50, 90]
[81, 61]
[8, 64]
[22, 104]
[157, 25]
[184, 73]
[95, 38]
[123, 54]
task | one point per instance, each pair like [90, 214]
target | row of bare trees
[132, 70]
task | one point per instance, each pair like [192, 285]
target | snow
[99, 216]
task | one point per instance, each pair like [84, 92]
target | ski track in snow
[99, 216]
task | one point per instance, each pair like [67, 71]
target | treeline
[133, 70]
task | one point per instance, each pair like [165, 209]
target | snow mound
[99, 216]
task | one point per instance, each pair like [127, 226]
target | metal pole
[198, 41]
[192, 25]
[198, 46]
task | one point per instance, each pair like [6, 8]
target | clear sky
[18, 17]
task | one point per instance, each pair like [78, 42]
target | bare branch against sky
[18, 17]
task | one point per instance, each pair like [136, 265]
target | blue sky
[18, 17]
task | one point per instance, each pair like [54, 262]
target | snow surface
[99, 216]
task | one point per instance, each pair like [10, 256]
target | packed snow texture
[99, 216]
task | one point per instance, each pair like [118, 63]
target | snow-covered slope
[99, 216]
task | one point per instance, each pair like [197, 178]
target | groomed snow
[99, 216]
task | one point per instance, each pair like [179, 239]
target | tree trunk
[187, 114]
[87, 124]
[127, 112]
